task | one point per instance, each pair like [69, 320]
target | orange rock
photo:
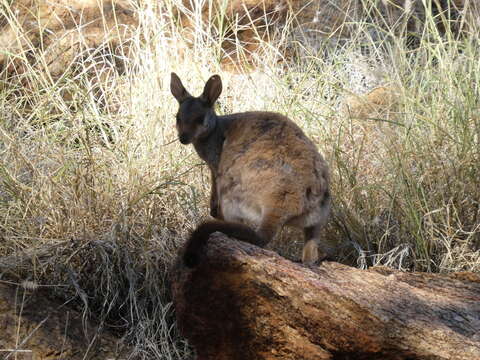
[378, 101]
[247, 303]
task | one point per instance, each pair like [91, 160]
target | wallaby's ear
[212, 90]
[177, 88]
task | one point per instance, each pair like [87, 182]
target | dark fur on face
[195, 116]
[190, 119]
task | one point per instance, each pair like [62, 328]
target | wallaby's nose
[184, 139]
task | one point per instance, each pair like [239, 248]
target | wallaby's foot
[317, 263]
[312, 256]
[310, 253]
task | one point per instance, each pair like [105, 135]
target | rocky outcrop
[243, 302]
[246, 22]
[32, 326]
[64, 31]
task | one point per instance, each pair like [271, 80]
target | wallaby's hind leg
[314, 249]
[310, 249]
[269, 227]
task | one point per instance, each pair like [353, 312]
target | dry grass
[108, 195]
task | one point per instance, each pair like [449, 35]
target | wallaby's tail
[199, 237]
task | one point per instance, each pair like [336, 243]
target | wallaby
[266, 173]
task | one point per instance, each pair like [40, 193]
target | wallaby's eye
[199, 120]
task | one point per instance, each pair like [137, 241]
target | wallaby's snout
[184, 138]
[195, 116]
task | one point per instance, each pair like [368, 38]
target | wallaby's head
[196, 117]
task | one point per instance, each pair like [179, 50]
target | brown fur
[269, 162]
[265, 171]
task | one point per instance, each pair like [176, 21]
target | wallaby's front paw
[310, 253]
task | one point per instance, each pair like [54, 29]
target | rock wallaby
[266, 173]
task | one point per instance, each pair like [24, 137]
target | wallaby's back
[267, 160]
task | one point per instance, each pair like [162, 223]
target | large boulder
[246, 303]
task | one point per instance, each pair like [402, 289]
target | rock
[63, 31]
[66, 30]
[374, 104]
[243, 302]
[43, 329]
[246, 22]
